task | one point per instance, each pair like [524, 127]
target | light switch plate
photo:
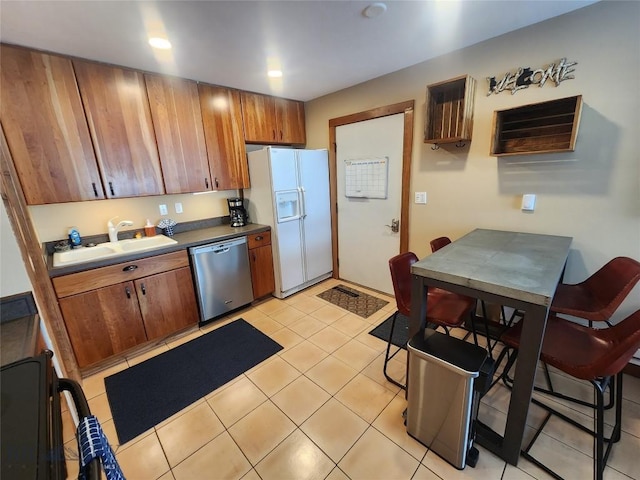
[178, 207]
[528, 202]
[421, 197]
[163, 209]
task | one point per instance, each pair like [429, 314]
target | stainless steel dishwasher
[223, 277]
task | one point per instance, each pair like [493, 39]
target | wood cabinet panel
[291, 122]
[258, 116]
[222, 118]
[167, 302]
[46, 129]
[103, 322]
[272, 120]
[262, 278]
[177, 122]
[117, 110]
[75, 283]
[258, 239]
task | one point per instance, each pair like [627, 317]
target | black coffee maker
[237, 212]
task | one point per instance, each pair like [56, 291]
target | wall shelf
[449, 111]
[537, 128]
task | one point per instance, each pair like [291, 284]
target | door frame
[407, 150]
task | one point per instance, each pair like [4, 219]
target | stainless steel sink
[110, 249]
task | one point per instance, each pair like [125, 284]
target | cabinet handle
[129, 268]
[280, 134]
[143, 288]
[273, 132]
[216, 180]
[128, 291]
[258, 238]
[253, 254]
[95, 190]
[206, 183]
[111, 188]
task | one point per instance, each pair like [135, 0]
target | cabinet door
[167, 302]
[258, 116]
[177, 122]
[222, 118]
[117, 109]
[262, 277]
[46, 129]
[290, 120]
[103, 322]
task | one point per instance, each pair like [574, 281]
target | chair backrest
[613, 282]
[400, 267]
[624, 341]
[438, 243]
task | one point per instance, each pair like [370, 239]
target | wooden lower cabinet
[261, 261]
[108, 320]
[167, 302]
[103, 322]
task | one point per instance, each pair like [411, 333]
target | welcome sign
[524, 77]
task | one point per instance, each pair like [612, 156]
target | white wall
[52, 222]
[13, 274]
[591, 194]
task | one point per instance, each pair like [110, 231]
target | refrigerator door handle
[303, 206]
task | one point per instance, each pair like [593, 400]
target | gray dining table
[514, 269]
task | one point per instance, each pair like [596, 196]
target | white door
[365, 241]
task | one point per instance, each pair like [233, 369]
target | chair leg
[388, 357]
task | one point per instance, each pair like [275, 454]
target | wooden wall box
[544, 127]
[449, 110]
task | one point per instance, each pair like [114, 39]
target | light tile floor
[322, 409]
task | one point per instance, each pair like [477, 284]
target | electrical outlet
[178, 207]
[421, 197]
[163, 209]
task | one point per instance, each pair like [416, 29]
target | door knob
[395, 225]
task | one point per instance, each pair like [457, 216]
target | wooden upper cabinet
[290, 118]
[117, 109]
[46, 129]
[222, 118]
[258, 116]
[272, 120]
[177, 122]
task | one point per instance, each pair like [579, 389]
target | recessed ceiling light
[162, 43]
[274, 73]
[374, 10]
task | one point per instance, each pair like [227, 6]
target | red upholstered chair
[438, 243]
[598, 297]
[595, 300]
[595, 355]
[444, 309]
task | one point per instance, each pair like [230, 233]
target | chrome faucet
[113, 229]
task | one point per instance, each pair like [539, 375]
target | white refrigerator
[290, 192]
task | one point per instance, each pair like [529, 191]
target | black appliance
[237, 212]
[31, 423]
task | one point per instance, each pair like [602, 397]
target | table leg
[417, 322]
[533, 331]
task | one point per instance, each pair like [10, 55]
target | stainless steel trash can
[442, 402]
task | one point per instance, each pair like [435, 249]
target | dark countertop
[18, 338]
[186, 239]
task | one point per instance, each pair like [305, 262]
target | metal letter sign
[525, 77]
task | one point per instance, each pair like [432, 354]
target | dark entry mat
[353, 300]
[400, 331]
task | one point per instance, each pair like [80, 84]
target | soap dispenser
[149, 229]
[74, 237]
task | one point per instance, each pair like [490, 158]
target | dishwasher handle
[218, 248]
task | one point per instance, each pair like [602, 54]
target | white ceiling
[321, 46]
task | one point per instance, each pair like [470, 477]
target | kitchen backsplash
[52, 222]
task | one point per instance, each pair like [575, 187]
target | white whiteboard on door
[366, 178]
